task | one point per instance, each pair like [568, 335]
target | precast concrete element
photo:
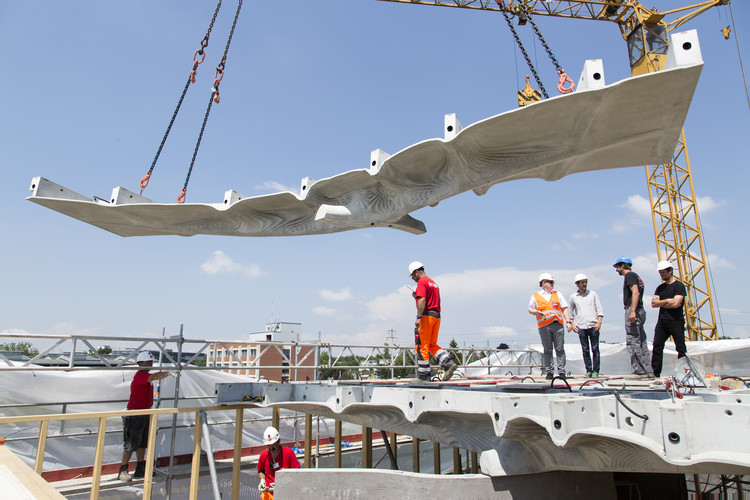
[365, 484]
[633, 122]
[522, 428]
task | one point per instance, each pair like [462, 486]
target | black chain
[523, 51]
[191, 79]
[542, 40]
[214, 98]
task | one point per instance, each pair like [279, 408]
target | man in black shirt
[669, 298]
[635, 317]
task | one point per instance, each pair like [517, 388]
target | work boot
[140, 470]
[562, 376]
[550, 376]
[449, 372]
[588, 374]
[123, 474]
[594, 374]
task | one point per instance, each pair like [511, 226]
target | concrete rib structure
[526, 428]
[634, 122]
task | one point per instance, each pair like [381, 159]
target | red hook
[216, 96]
[181, 198]
[561, 84]
[144, 181]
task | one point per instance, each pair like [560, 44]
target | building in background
[276, 351]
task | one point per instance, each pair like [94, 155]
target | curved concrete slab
[634, 122]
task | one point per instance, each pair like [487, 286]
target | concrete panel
[377, 485]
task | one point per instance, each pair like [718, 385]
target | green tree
[454, 354]
[24, 347]
[101, 350]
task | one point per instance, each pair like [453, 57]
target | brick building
[277, 346]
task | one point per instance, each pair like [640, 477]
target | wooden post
[366, 447]
[415, 454]
[474, 462]
[456, 460]
[436, 457]
[41, 444]
[394, 450]
[237, 457]
[196, 465]
[308, 440]
[337, 443]
[697, 484]
[275, 418]
[150, 453]
[99, 459]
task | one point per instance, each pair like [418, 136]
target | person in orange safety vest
[551, 312]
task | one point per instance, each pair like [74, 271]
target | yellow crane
[674, 212]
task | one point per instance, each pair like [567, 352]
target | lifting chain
[191, 79]
[218, 76]
[523, 49]
[564, 78]
[524, 14]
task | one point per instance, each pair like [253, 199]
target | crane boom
[672, 196]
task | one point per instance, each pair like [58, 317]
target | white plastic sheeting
[28, 387]
[724, 357]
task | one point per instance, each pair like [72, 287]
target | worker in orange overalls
[271, 460]
[427, 325]
[551, 312]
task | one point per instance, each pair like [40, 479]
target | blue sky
[310, 88]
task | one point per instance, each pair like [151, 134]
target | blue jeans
[589, 336]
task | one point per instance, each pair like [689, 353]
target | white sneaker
[124, 476]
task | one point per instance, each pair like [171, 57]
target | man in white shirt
[587, 313]
[551, 312]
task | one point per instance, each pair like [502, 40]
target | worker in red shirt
[135, 428]
[427, 325]
[271, 460]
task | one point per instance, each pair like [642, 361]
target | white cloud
[342, 295]
[717, 262]
[220, 263]
[324, 311]
[583, 235]
[638, 205]
[69, 328]
[499, 331]
[275, 187]
[725, 310]
[706, 204]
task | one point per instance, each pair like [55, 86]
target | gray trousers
[553, 335]
[636, 342]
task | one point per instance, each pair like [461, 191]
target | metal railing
[224, 355]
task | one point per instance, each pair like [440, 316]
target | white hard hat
[270, 436]
[579, 277]
[144, 356]
[546, 276]
[414, 266]
[664, 264]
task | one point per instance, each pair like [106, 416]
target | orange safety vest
[551, 309]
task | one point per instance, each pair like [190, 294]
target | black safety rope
[191, 79]
[218, 76]
[619, 400]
